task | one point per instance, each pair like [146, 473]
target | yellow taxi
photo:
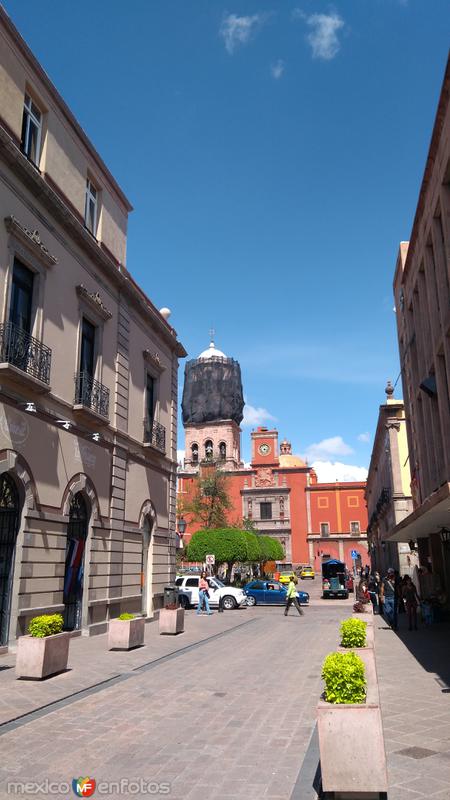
[307, 572]
[285, 577]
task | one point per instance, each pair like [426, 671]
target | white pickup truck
[188, 592]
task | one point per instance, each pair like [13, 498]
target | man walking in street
[291, 598]
[387, 594]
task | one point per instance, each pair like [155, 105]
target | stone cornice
[30, 239]
[94, 301]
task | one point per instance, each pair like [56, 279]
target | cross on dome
[212, 351]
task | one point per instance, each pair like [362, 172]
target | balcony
[91, 400]
[155, 435]
[23, 358]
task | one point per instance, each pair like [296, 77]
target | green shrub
[353, 633]
[344, 677]
[46, 625]
[125, 615]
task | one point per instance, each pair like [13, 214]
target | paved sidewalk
[231, 717]
[414, 677]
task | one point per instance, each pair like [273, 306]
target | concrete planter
[352, 756]
[171, 620]
[124, 634]
[39, 658]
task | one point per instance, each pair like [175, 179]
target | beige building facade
[388, 489]
[422, 299]
[88, 377]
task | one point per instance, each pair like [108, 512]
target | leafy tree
[270, 550]
[229, 545]
[210, 502]
[253, 547]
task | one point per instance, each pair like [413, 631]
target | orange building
[278, 491]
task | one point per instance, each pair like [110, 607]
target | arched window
[208, 450]
[9, 527]
[194, 451]
[223, 451]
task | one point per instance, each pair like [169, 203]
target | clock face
[264, 449]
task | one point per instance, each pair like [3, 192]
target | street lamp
[181, 530]
[445, 535]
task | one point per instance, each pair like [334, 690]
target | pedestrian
[203, 594]
[291, 597]
[412, 601]
[388, 596]
[399, 602]
[373, 588]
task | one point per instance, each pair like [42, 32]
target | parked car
[270, 593]
[285, 577]
[188, 592]
[307, 572]
[334, 579]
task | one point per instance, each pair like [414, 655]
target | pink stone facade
[217, 441]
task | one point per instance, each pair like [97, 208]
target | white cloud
[277, 69]
[327, 448]
[237, 31]
[180, 456]
[256, 416]
[323, 36]
[331, 471]
[364, 437]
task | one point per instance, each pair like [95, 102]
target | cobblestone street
[229, 717]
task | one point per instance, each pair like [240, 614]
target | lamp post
[181, 530]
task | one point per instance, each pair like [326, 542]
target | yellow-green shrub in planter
[45, 651]
[353, 633]
[350, 728]
[344, 676]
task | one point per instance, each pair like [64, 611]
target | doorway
[147, 569]
[77, 531]
[9, 528]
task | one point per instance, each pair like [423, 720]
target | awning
[430, 517]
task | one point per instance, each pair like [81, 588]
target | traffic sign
[355, 554]
[210, 560]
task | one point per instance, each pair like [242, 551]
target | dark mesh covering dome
[212, 391]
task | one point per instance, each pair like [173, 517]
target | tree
[270, 550]
[228, 545]
[210, 501]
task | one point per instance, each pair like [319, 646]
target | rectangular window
[21, 297]
[90, 211]
[150, 399]
[266, 510]
[87, 352]
[31, 130]
[324, 529]
[355, 527]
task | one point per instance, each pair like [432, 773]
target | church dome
[291, 461]
[212, 352]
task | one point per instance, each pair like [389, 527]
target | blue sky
[273, 152]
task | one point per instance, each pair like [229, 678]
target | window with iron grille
[355, 527]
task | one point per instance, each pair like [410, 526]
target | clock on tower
[264, 447]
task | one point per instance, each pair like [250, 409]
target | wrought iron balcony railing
[91, 394]
[155, 434]
[25, 352]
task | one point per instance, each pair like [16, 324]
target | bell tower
[212, 406]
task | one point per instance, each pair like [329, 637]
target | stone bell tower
[212, 406]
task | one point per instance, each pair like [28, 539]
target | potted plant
[349, 726]
[126, 632]
[45, 650]
[171, 619]
[356, 634]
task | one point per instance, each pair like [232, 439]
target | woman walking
[203, 594]
[412, 601]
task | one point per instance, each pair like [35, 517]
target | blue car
[270, 593]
